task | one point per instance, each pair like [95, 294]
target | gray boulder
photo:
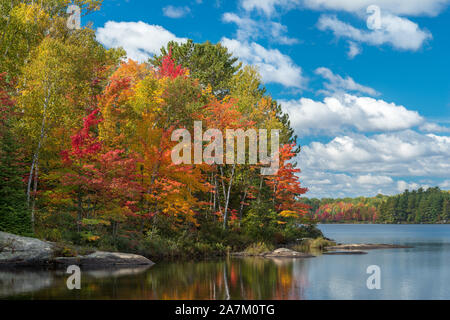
[23, 250]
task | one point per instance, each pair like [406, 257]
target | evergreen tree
[14, 214]
[445, 211]
[421, 206]
[211, 63]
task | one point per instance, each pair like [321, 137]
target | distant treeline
[418, 206]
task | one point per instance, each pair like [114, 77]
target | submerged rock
[278, 253]
[101, 273]
[24, 251]
[366, 246]
[343, 252]
[284, 252]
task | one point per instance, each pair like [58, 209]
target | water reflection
[19, 282]
[412, 273]
[240, 278]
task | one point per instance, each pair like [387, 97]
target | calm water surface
[422, 272]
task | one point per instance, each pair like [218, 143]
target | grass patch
[67, 250]
[318, 244]
[258, 248]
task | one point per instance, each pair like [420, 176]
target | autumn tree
[211, 63]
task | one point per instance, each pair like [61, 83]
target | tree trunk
[225, 280]
[227, 199]
[35, 161]
[33, 204]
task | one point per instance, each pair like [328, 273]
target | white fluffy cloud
[433, 127]
[322, 184]
[398, 32]
[175, 12]
[445, 184]
[356, 165]
[403, 185]
[344, 112]
[139, 39]
[273, 66]
[337, 84]
[369, 179]
[268, 7]
[404, 153]
[249, 29]
[353, 50]
[402, 7]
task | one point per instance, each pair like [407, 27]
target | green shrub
[258, 248]
[64, 250]
[318, 244]
[261, 222]
[321, 243]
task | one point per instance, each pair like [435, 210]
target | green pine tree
[14, 214]
[445, 216]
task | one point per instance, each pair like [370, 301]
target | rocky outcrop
[24, 251]
[17, 250]
[101, 259]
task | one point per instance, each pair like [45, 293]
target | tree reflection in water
[236, 278]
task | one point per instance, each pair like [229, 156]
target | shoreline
[393, 224]
[32, 253]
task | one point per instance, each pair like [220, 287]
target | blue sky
[370, 103]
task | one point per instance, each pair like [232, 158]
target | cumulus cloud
[175, 12]
[268, 7]
[433, 127]
[357, 165]
[337, 84]
[249, 29]
[403, 185]
[347, 112]
[139, 39]
[373, 180]
[398, 32]
[404, 153]
[401, 7]
[273, 66]
[353, 49]
[445, 184]
[325, 184]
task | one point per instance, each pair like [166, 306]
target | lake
[421, 272]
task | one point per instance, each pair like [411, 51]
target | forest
[418, 206]
[85, 143]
